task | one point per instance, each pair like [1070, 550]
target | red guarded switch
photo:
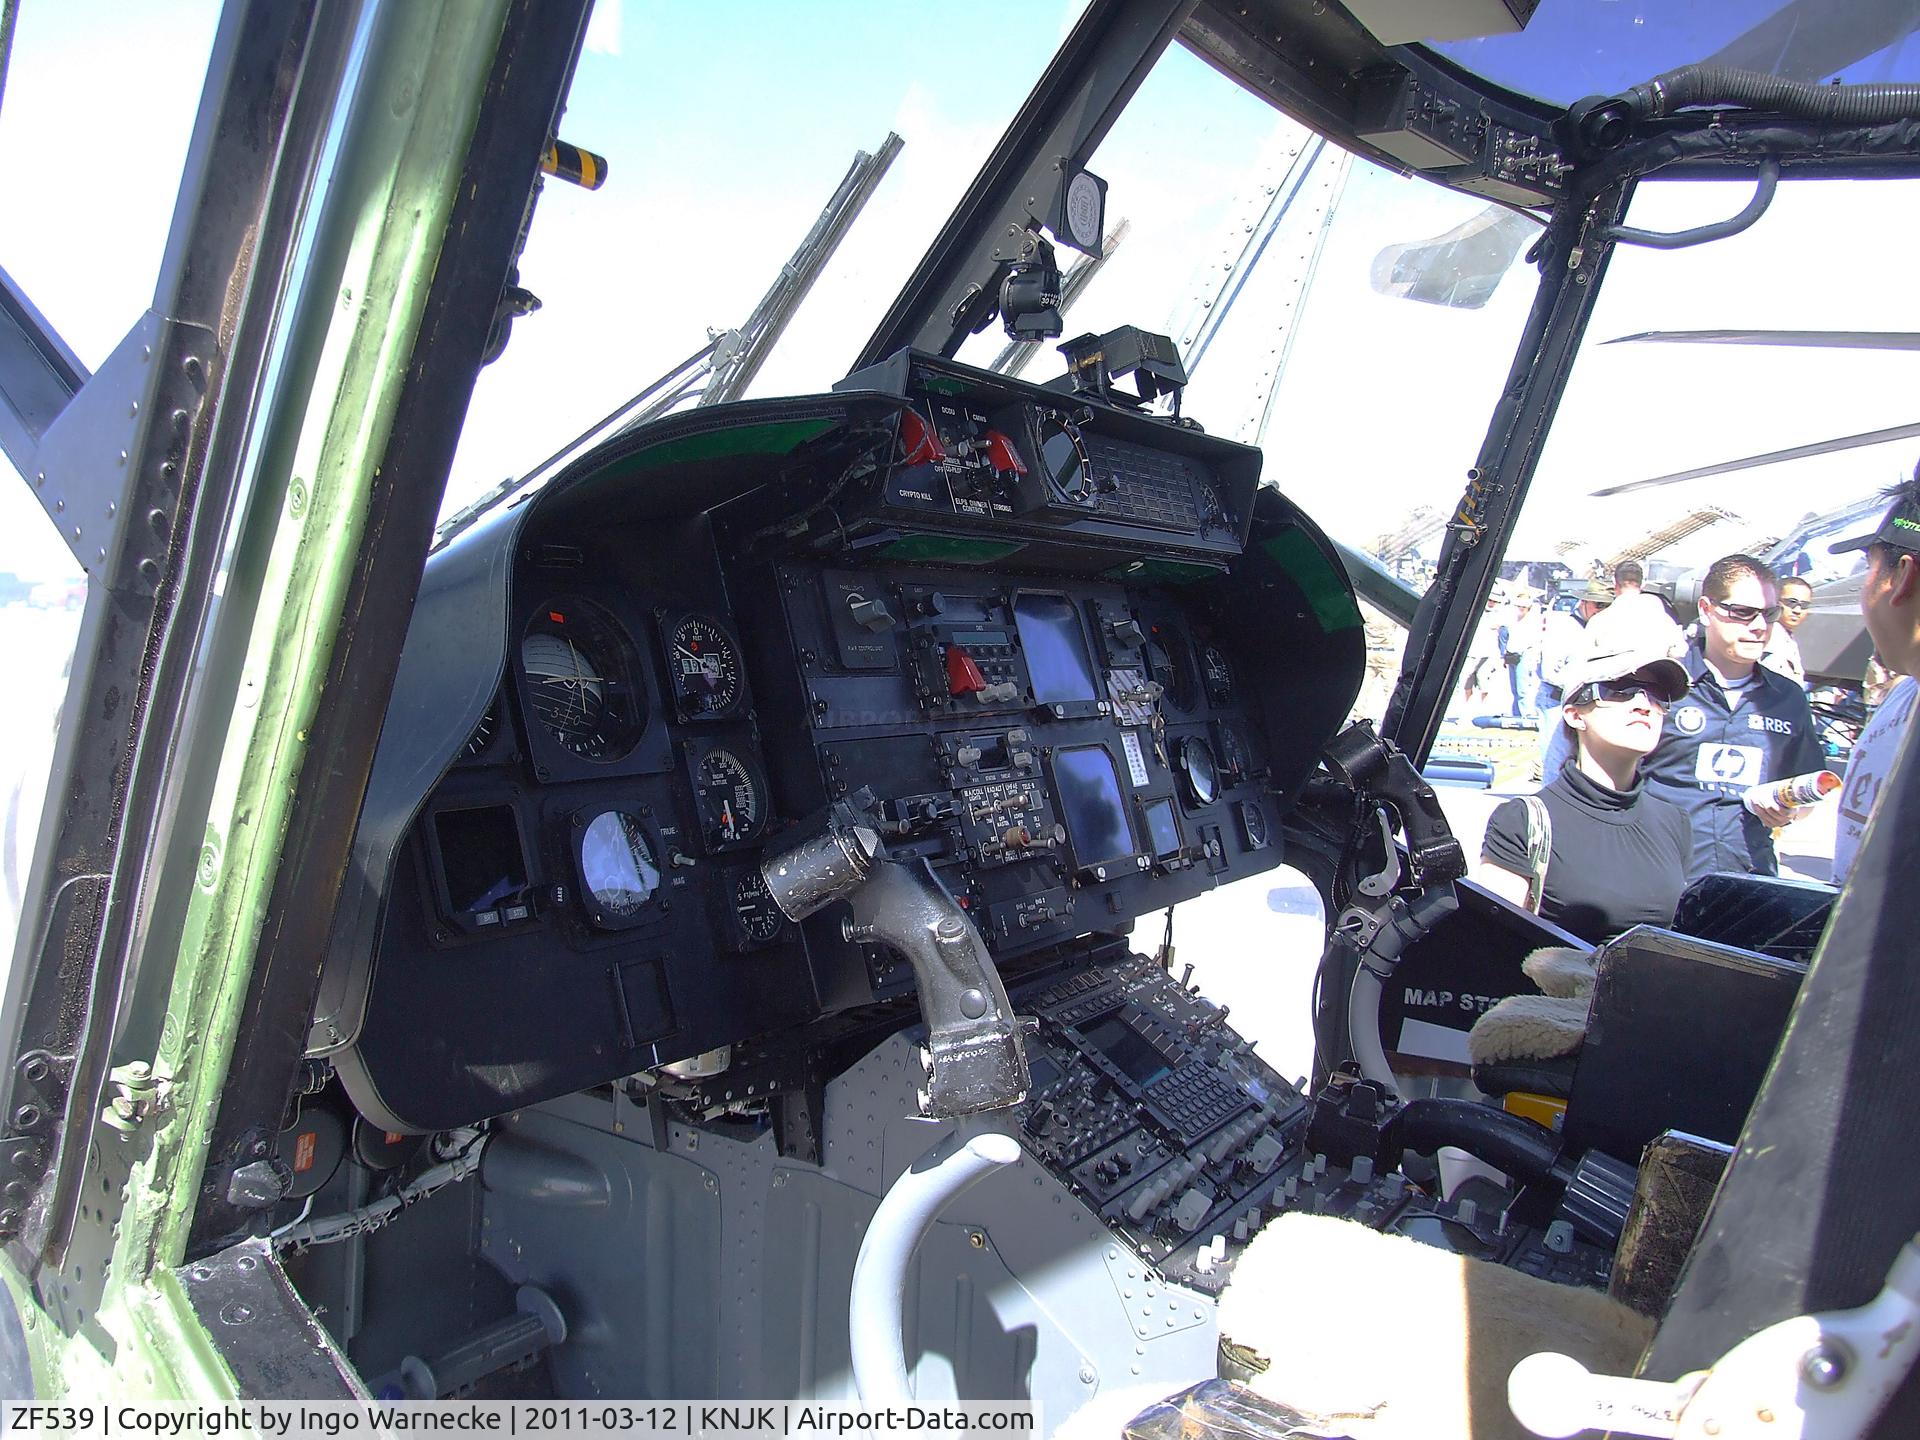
[919, 441]
[963, 676]
[1005, 459]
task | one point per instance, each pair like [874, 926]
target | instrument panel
[1036, 682]
[1011, 734]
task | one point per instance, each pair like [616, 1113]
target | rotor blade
[1816, 39]
[1772, 457]
[1809, 339]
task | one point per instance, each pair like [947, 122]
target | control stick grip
[975, 1059]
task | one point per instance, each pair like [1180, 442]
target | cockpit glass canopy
[1575, 48]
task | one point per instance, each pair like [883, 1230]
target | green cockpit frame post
[287, 445]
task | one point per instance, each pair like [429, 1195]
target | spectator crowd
[1668, 752]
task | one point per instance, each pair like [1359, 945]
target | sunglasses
[1627, 689]
[1745, 614]
[1796, 606]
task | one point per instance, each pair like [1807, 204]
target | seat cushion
[1395, 1340]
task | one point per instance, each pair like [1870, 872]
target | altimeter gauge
[703, 666]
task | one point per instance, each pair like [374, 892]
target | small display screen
[979, 637]
[1056, 648]
[1090, 800]
[480, 857]
[1162, 828]
[1127, 1049]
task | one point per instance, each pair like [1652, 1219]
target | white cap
[1628, 646]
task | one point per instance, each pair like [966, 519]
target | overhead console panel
[1354, 80]
[1053, 477]
[1068, 657]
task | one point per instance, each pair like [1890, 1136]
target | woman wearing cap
[1615, 856]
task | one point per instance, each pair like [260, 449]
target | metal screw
[1824, 1366]
[976, 1239]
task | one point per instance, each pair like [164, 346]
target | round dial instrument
[1253, 825]
[1219, 674]
[1170, 663]
[754, 908]
[578, 680]
[1063, 456]
[1193, 757]
[1232, 751]
[704, 663]
[728, 794]
[483, 734]
[617, 871]
[1086, 207]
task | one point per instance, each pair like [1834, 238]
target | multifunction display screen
[1056, 648]
[1127, 1049]
[1090, 802]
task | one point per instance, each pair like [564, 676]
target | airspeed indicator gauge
[483, 733]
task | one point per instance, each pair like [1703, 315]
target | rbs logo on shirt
[1772, 724]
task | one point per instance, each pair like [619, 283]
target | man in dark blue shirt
[1741, 725]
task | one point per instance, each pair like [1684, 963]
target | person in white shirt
[1629, 599]
[1782, 654]
[1483, 654]
[1890, 604]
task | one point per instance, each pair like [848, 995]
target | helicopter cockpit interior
[750, 969]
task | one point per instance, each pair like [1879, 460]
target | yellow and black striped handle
[571, 163]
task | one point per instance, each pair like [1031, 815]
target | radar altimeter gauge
[729, 795]
[579, 683]
[1200, 772]
[703, 663]
[618, 874]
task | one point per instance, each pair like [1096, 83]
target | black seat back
[1681, 1033]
